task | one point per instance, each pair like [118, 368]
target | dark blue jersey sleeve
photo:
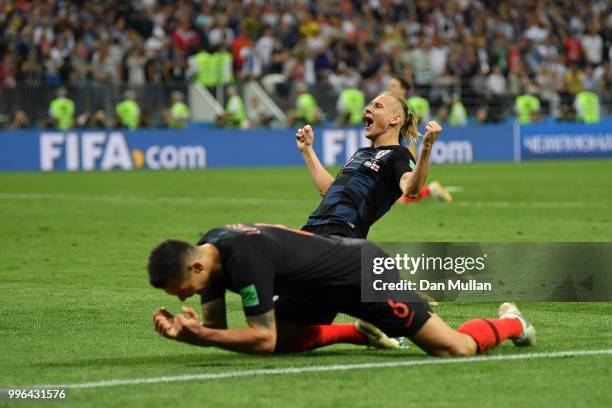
[404, 162]
[252, 277]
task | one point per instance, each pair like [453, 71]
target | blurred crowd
[487, 52]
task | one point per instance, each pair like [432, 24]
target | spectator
[547, 51]
[44, 32]
[326, 96]
[252, 64]
[155, 43]
[592, 46]
[20, 121]
[602, 75]
[155, 92]
[220, 34]
[288, 33]
[458, 113]
[73, 43]
[526, 107]
[8, 72]
[264, 47]
[420, 107]
[107, 71]
[98, 120]
[478, 83]
[558, 70]
[399, 87]
[178, 115]
[546, 83]
[443, 87]
[235, 113]
[567, 115]
[128, 111]
[574, 80]
[61, 110]
[499, 52]
[344, 78]
[241, 47]
[515, 81]
[257, 115]
[572, 49]
[421, 64]
[515, 58]
[351, 103]
[441, 114]
[538, 31]
[154, 68]
[589, 81]
[225, 66]
[206, 69]
[204, 19]
[274, 75]
[31, 70]
[496, 82]
[184, 36]
[306, 109]
[175, 67]
[438, 54]
[482, 115]
[586, 105]
[81, 67]
[135, 64]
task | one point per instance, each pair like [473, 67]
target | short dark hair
[167, 262]
[403, 82]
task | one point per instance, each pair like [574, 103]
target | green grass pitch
[76, 305]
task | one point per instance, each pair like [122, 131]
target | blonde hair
[408, 130]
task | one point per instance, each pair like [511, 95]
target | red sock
[425, 191]
[313, 337]
[488, 333]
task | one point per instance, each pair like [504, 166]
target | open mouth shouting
[368, 122]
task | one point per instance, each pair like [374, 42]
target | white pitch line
[453, 189]
[262, 201]
[325, 368]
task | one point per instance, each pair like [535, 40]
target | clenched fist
[304, 138]
[432, 130]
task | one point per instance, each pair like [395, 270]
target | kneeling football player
[293, 284]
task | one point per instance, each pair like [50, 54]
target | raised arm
[258, 338]
[412, 182]
[320, 176]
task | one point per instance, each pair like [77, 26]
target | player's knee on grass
[436, 338]
[286, 334]
[462, 347]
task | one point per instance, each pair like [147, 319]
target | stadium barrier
[199, 149]
[545, 141]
